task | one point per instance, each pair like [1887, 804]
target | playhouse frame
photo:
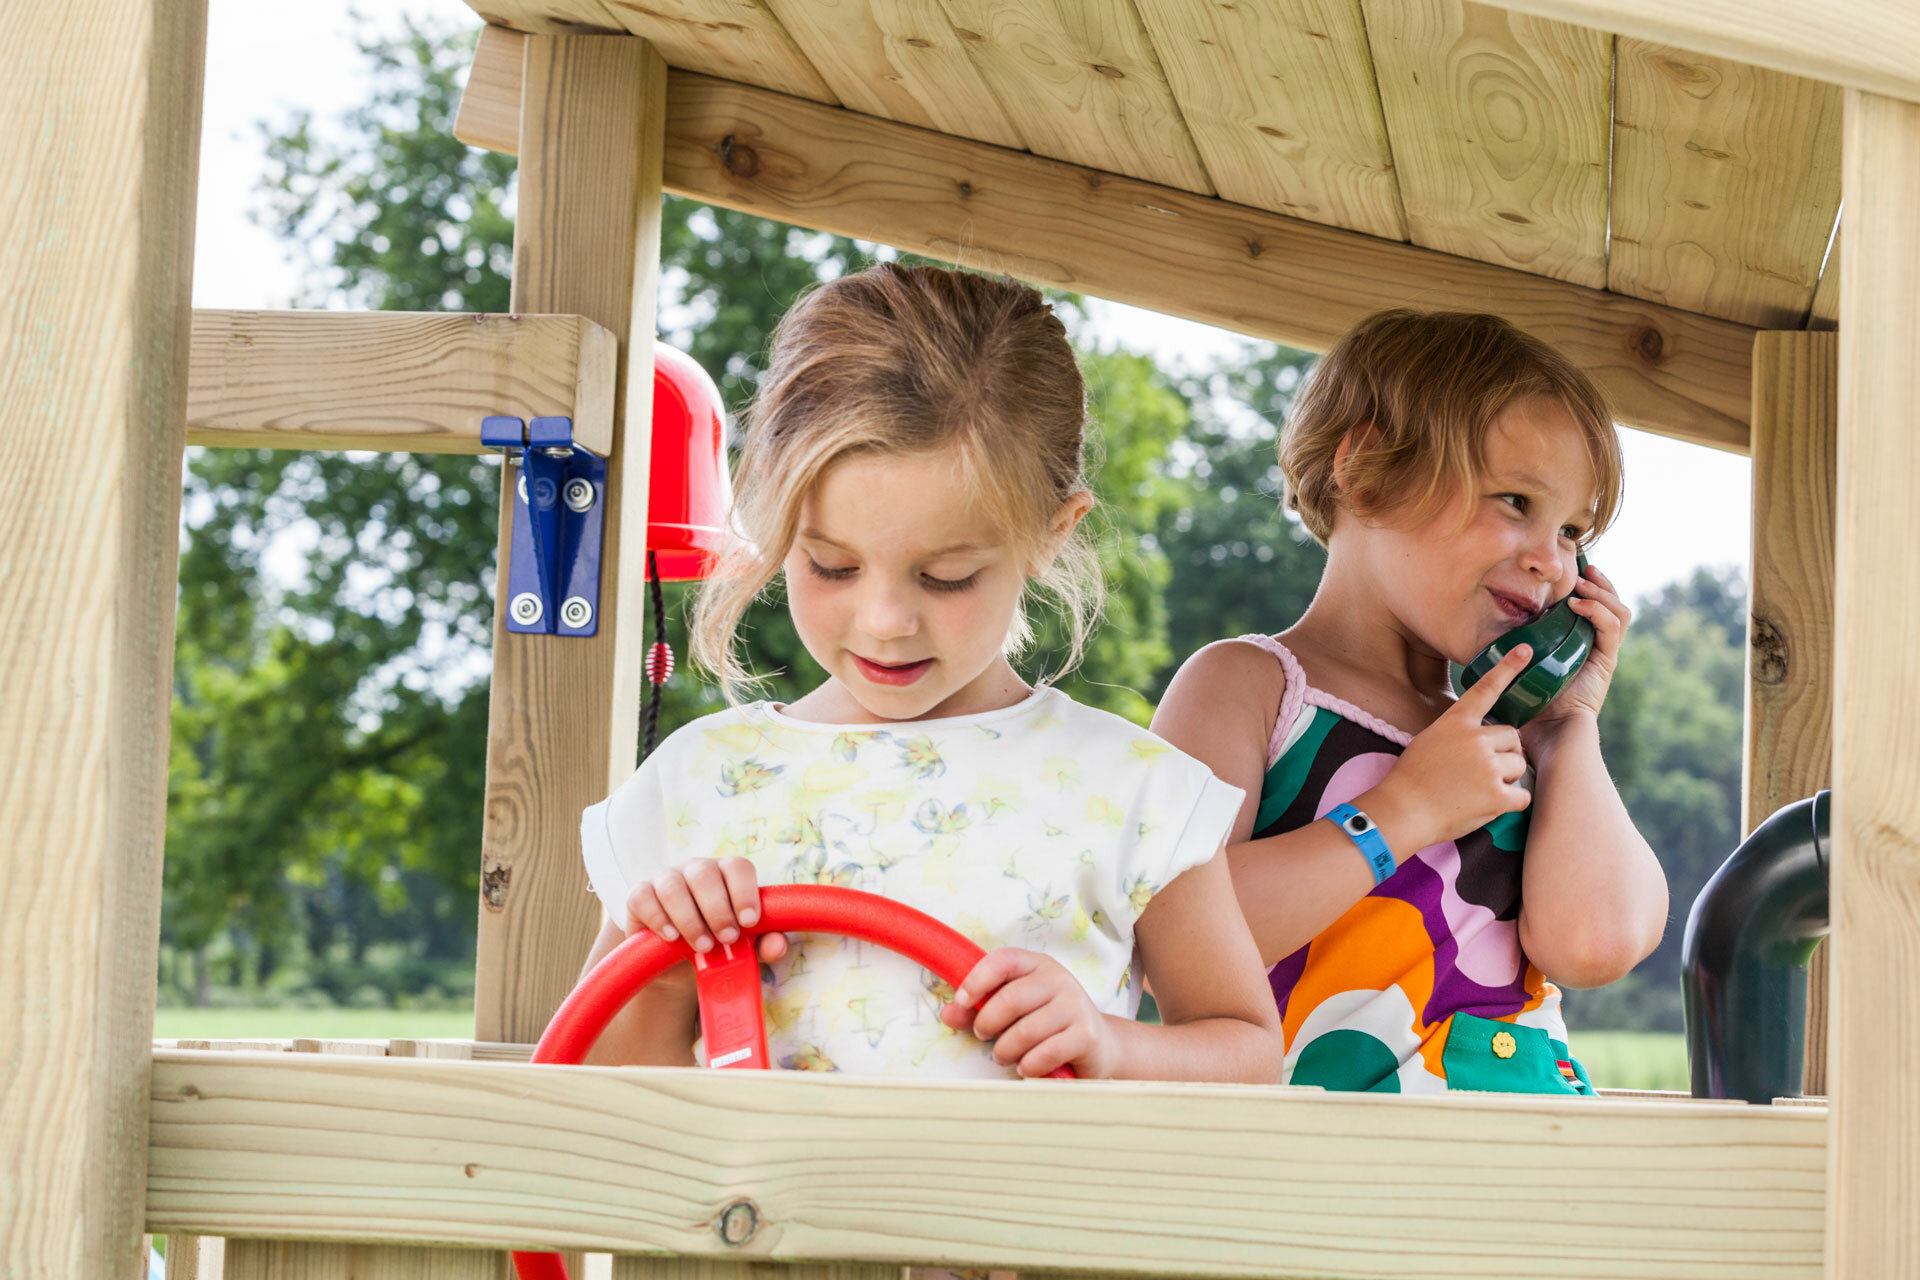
[103, 1136]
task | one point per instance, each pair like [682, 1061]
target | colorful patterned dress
[1421, 986]
[1045, 825]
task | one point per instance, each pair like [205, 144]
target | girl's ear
[1061, 527]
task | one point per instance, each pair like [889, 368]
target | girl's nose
[1541, 556]
[886, 614]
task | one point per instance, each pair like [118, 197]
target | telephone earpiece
[1561, 640]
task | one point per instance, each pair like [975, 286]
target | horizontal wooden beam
[1869, 44]
[1091, 1177]
[1243, 269]
[414, 381]
[489, 115]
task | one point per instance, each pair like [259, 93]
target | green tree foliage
[336, 608]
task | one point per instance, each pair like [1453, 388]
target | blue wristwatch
[1359, 828]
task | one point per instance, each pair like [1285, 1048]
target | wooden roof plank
[736, 39]
[547, 17]
[1870, 44]
[1079, 79]
[1257, 273]
[1281, 103]
[1499, 126]
[1726, 180]
[900, 60]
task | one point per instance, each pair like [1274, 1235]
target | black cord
[652, 736]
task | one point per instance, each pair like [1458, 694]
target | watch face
[1358, 824]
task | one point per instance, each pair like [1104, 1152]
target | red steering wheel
[732, 1022]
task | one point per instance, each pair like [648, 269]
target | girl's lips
[901, 674]
[1515, 609]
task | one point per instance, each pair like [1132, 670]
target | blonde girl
[1452, 466]
[913, 474]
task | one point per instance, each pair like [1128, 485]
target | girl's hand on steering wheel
[707, 901]
[1035, 1014]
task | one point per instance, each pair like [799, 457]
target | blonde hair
[1427, 387]
[906, 359]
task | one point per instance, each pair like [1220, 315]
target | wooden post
[1789, 747]
[1873, 1231]
[564, 717]
[101, 100]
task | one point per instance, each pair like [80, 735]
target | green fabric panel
[1509, 831]
[1284, 779]
[1579, 1068]
[1347, 1060]
[1471, 1064]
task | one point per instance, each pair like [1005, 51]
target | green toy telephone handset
[1561, 640]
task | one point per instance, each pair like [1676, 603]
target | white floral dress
[1045, 825]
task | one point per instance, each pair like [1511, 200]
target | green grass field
[1615, 1059]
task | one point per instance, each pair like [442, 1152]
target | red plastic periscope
[731, 1021]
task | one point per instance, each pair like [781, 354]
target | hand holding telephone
[1561, 641]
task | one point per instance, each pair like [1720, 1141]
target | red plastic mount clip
[732, 1022]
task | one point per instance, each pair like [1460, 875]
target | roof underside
[1674, 177]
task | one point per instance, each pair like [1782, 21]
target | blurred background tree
[335, 610]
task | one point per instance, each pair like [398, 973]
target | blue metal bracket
[552, 575]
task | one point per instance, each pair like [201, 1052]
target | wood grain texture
[736, 39]
[419, 382]
[563, 715]
[659, 1268]
[191, 1257]
[1499, 124]
[1726, 181]
[1257, 273]
[302, 1260]
[1198, 1180]
[1873, 1045]
[899, 60]
[1873, 44]
[548, 17]
[1789, 702]
[1282, 106]
[309, 1260]
[101, 100]
[489, 115]
[1080, 81]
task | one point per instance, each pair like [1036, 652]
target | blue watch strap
[1359, 828]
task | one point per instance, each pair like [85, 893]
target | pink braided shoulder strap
[1300, 694]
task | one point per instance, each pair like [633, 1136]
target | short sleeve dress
[1045, 825]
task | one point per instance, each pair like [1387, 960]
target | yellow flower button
[1503, 1044]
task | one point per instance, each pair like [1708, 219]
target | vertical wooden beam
[564, 717]
[1874, 1047]
[1789, 747]
[101, 100]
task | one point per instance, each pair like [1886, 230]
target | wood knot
[494, 879]
[971, 37]
[1255, 248]
[1111, 73]
[1508, 215]
[739, 159]
[1272, 132]
[919, 42]
[473, 1171]
[966, 190]
[1711, 153]
[1770, 652]
[1648, 343]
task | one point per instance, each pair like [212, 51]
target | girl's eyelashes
[949, 584]
[927, 580]
[1519, 502]
[831, 575]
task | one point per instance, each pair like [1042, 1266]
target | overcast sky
[1685, 505]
